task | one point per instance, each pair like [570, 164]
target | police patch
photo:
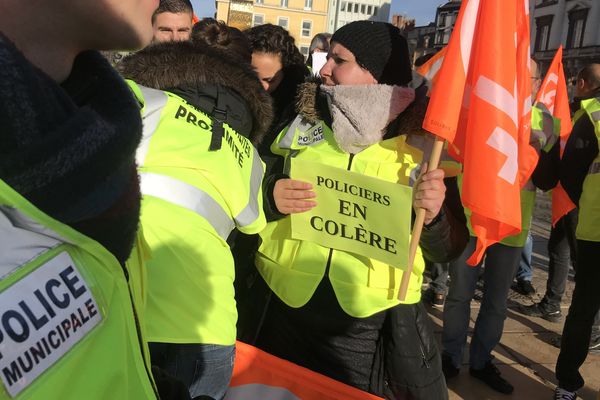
[42, 317]
[311, 136]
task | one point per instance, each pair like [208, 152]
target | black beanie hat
[379, 48]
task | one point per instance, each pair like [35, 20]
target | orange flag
[481, 103]
[258, 375]
[430, 69]
[553, 94]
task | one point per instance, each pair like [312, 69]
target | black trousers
[578, 326]
[392, 353]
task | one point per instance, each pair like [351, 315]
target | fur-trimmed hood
[362, 115]
[198, 73]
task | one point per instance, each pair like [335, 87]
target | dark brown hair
[227, 39]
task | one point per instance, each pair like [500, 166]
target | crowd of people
[146, 210]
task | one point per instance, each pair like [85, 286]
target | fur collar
[183, 65]
[360, 114]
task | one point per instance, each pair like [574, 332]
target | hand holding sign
[291, 196]
[429, 193]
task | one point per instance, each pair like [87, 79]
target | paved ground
[525, 355]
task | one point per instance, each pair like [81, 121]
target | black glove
[169, 387]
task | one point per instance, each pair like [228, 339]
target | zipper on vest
[350, 161]
[139, 334]
[331, 250]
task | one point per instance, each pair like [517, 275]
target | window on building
[375, 10]
[448, 21]
[283, 22]
[542, 34]
[258, 19]
[441, 20]
[308, 4]
[446, 35]
[363, 8]
[306, 28]
[284, 3]
[369, 10]
[577, 22]
[304, 51]
[355, 7]
[343, 6]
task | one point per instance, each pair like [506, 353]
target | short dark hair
[173, 6]
[423, 59]
[591, 75]
[320, 41]
[273, 39]
[227, 39]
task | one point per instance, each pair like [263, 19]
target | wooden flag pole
[434, 161]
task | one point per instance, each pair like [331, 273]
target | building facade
[421, 40]
[302, 18]
[445, 18]
[574, 24]
[342, 12]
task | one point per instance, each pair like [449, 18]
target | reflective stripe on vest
[594, 168]
[14, 256]
[189, 197]
[252, 210]
[154, 102]
[595, 116]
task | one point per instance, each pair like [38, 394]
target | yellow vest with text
[193, 198]
[68, 328]
[293, 269]
[588, 227]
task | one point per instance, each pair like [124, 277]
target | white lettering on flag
[506, 144]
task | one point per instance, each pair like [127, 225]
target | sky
[423, 11]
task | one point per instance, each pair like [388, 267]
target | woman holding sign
[335, 265]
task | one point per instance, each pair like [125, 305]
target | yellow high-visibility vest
[68, 328]
[293, 269]
[193, 198]
[588, 227]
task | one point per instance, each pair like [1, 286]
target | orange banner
[258, 375]
[553, 94]
[483, 106]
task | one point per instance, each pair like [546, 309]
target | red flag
[482, 104]
[553, 94]
[258, 375]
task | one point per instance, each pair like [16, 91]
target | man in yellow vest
[69, 201]
[580, 177]
[200, 179]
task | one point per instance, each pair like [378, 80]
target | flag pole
[434, 161]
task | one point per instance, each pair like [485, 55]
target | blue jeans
[500, 264]
[525, 271]
[439, 276]
[204, 368]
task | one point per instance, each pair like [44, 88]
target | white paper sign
[319, 59]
